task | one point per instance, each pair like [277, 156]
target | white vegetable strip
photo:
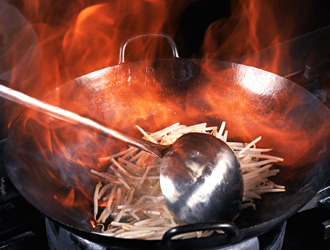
[249, 145]
[148, 137]
[256, 164]
[159, 134]
[144, 176]
[104, 189]
[222, 128]
[96, 195]
[107, 211]
[127, 151]
[104, 175]
[136, 207]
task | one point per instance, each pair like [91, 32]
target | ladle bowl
[201, 180]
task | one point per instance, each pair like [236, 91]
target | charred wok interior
[49, 161]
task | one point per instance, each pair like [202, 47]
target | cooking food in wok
[128, 201]
[50, 161]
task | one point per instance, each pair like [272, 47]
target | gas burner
[60, 237]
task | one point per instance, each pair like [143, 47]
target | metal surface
[201, 179]
[253, 103]
[200, 175]
[124, 44]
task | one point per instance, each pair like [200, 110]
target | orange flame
[58, 41]
[255, 26]
[93, 223]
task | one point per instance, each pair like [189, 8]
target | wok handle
[233, 233]
[130, 39]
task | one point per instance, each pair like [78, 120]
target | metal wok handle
[130, 39]
[233, 233]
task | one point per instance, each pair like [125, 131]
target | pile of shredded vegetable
[128, 202]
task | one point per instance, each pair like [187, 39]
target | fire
[59, 41]
[93, 223]
[53, 42]
[253, 27]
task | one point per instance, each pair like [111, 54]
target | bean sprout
[135, 206]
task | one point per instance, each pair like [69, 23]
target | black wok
[49, 161]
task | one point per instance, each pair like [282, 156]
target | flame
[251, 35]
[52, 42]
[55, 42]
[93, 223]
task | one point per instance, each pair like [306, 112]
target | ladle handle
[74, 118]
[233, 233]
[130, 39]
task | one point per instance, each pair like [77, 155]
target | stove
[23, 227]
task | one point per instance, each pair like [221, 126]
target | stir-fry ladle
[200, 176]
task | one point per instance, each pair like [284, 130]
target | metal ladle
[200, 175]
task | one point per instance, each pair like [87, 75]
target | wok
[49, 161]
